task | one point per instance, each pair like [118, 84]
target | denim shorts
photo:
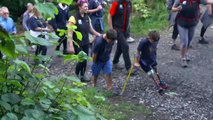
[106, 67]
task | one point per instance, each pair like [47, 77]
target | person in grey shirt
[26, 16]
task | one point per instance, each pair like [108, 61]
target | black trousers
[203, 31]
[122, 48]
[81, 66]
[62, 40]
[41, 49]
[175, 31]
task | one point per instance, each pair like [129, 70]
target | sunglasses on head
[80, 2]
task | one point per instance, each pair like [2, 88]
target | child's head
[154, 36]
[111, 35]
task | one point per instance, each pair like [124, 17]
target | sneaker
[65, 52]
[187, 58]
[163, 85]
[175, 47]
[133, 72]
[130, 40]
[84, 78]
[203, 41]
[118, 66]
[184, 63]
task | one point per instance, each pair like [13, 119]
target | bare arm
[109, 18]
[94, 57]
[136, 59]
[209, 9]
[70, 39]
[92, 30]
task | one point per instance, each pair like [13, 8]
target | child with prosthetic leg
[145, 57]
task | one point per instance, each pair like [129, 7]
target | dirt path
[193, 85]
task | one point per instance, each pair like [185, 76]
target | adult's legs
[62, 40]
[174, 37]
[184, 42]
[81, 66]
[202, 32]
[122, 47]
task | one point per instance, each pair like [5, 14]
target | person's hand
[179, 7]
[137, 65]
[99, 7]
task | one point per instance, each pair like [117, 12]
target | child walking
[101, 57]
[145, 57]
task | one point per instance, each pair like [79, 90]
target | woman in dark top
[38, 28]
[83, 23]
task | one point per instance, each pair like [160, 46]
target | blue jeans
[106, 67]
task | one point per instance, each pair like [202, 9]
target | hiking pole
[127, 79]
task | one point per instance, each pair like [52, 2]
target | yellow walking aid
[127, 79]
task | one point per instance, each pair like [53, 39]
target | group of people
[89, 20]
[184, 17]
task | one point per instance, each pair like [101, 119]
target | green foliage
[144, 19]
[29, 95]
[142, 10]
[112, 110]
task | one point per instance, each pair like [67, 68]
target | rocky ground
[190, 95]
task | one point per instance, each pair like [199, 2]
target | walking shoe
[118, 66]
[184, 63]
[187, 58]
[65, 52]
[84, 78]
[175, 47]
[203, 41]
[133, 72]
[163, 85]
[130, 39]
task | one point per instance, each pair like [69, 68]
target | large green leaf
[79, 35]
[9, 116]
[22, 65]
[27, 101]
[21, 49]
[11, 98]
[37, 40]
[48, 10]
[34, 113]
[8, 48]
[27, 118]
[15, 83]
[45, 103]
[68, 2]
[6, 105]
[83, 113]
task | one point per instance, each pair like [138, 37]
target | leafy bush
[27, 92]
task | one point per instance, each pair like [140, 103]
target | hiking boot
[163, 85]
[175, 47]
[118, 66]
[84, 78]
[203, 41]
[130, 40]
[184, 63]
